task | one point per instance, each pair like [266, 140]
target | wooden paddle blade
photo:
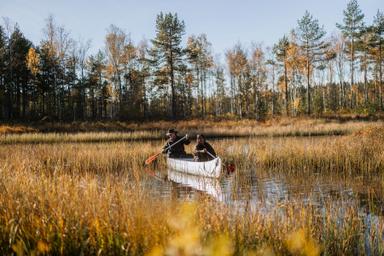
[151, 159]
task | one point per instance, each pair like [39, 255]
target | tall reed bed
[356, 154]
[87, 214]
[81, 198]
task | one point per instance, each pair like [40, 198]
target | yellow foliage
[18, 248]
[220, 246]
[32, 61]
[186, 240]
[300, 243]
[156, 251]
[296, 103]
[295, 58]
[42, 247]
[237, 61]
[263, 251]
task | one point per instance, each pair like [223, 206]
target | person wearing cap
[203, 150]
[177, 150]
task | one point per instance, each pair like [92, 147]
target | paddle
[214, 157]
[230, 167]
[206, 151]
[152, 158]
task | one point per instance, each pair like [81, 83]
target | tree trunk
[173, 91]
[286, 89]
[18, 99]
[24, 99]
[352, 70]
[381, 75]
[308, 88]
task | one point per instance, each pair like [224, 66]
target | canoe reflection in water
[209, 186]
[257, 195]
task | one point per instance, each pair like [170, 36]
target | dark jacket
[204, 156]
[176, 151]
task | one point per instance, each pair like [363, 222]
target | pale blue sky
[224, 22]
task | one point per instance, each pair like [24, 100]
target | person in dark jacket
[177, 150]
[203, 150]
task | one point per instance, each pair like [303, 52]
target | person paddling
[177, 150]
[203, 150]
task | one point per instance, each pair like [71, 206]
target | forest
[175, 76]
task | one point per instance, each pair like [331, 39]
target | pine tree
[310, 34]
[3, 71]
[363, 46]
[95, 70]
[281, 51]
[47, 78]
[167, 53]
[351, 29]
[33, 65]
[19, 47]
[378, 45]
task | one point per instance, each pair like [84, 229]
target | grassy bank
[156, 131]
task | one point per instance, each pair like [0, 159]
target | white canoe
[210, 168]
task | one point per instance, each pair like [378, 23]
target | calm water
[265, 190]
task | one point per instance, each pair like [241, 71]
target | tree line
[306, 72]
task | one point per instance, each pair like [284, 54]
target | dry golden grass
[152, 131]
[11, 129]
[74, 198]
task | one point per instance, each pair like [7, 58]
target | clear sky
[225, 22]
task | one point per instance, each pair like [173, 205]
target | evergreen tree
[33, 65]
[378, 45]
[96, 65]
[351, 29]
[311, 34]
[3, 71]
[281, 51]
[47, 78]
[19, 47]
[167, 53]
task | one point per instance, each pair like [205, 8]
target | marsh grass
[128, 132]
[81, 198]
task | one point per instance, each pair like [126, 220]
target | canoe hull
[208, 169]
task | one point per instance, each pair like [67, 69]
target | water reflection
[209, 186]
[257, 194]
[259, 190]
